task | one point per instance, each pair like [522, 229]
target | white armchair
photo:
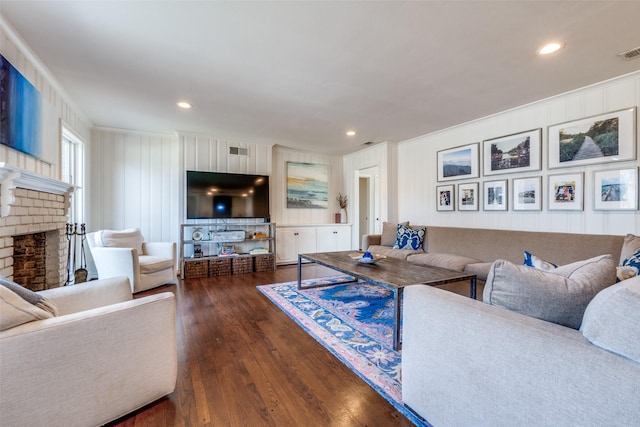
[103, 356]
[125, 253]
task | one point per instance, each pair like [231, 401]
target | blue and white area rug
[354, 322]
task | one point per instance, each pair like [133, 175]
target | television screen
[227, 195]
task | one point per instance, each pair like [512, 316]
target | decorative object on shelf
[566, 192]
[197, 234]
[226, 250]
[197, 251]
[527, 194]
[307, 186]
[468, 196]
[366, 257]
[518, 152]
[616, 189]
[459, 162]
[342, 202]
[337, 218]
[445, 200]
[495, 195]
[605, 138]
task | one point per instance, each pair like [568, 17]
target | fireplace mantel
[12, 177]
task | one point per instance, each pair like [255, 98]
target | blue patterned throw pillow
[408, 238]
[633, 261]
[531, 260]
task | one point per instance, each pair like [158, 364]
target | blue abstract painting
[20, 112]
[307, 185]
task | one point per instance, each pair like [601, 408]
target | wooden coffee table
[391, 273]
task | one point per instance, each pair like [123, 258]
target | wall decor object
[616, 189]
[445, 198]
[566, 192]
[519, 152]
[307, 186]
[605, 138]
[468, 196]
[527, 194]
[459, 163]
[495, 195]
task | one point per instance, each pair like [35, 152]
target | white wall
[57, 102]
[280, 214]
[417, 169]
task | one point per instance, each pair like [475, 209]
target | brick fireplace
[33, 217]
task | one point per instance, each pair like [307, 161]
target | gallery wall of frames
[512, 168]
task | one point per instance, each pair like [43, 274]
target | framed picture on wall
[444, 198]
[527, 194]
[307, 186]
[566, 192]
[519, 152]
[609, 137]
[468, 196]
[495, 195]
[459, 163]
[616, 189]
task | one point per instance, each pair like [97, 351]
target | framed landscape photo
[444, 198]
[616, 189]
[527, 194]
[459, 163]
[468, 197]
[519, 152]
[566, 192]
[609, 137]
[495, 195]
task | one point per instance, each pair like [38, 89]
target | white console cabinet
[300, 239]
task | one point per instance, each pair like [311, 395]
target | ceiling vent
[237, 151]
[630, 54]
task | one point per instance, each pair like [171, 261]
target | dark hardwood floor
[243, 362]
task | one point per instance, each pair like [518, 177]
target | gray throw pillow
[390, 233]
[629, 246]
[612, 319]
[559, 296]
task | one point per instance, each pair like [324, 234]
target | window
[72, 171]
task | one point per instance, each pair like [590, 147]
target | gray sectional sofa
[545, 348]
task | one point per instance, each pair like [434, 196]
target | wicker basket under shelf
[219, 266]
[242, 264]
[263, 263]
[194, 269]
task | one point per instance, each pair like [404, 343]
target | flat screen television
[220, 195]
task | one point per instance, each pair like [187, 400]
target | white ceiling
[301, 73]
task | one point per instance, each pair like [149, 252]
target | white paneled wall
[57, 102]
[134, 182]
[280, 214]
[417, 168]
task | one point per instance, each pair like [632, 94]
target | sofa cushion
[408, 238]
[129, 238]
[559, 296]
[15, 311]
[480, 269]
[450, 261]
[390, 233]
[151, 264]
[612, 319]
[29, 296]
[531, 260]
[392, 253]
[633, 261]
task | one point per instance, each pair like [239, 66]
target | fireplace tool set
[79, 274]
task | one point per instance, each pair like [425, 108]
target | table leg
[472, 286]
[397, 311]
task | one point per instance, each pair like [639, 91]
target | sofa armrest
[112, 262]
[104, 362]
[468, 363]
[160, 249]
[88, 295]
[369, 240]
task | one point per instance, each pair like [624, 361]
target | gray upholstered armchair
[125, 253]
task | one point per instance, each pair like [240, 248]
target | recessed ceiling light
[351, 133]
[550, 48]
[184, 104]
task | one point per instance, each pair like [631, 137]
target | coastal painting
[458, 163]
[513, 153]
[307, 186]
